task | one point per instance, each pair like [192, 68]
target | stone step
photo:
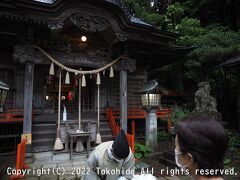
[44, 136]
[103, 120]
[105, 131]
[51, 134]
[104, 124]
[43, 127]
[45, 131]
[107, 138]
[42, 148]
[43, 142]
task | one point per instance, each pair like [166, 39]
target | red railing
[139, 114]
[13, 115]
[135, 114]
[20, 160]
[115, 128]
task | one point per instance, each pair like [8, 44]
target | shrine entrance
[87, 98]
[69, 95]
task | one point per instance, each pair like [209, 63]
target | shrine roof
[44, 12]
[235, 61]
[4, 86]
[138, 21]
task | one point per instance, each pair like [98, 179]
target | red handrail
[14, 115]
[139, 114]
[112, 122]
[115, 128]
[20, 160]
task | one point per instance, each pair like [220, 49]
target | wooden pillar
[127, 65]
[28, 94]
[123, 99]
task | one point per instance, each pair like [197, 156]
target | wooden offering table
[84, 135]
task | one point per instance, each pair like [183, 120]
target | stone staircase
[43, 136]
[44, 133]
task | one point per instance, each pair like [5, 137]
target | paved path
[47, 166]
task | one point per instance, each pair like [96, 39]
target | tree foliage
[214, 43]
[160, 14]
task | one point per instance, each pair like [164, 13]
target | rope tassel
[111, 72]
[98, 79]
[58, 143]
[98, 136]
[51, 70]
[67, 79]
[83, 81]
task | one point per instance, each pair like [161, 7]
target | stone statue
[204, 101]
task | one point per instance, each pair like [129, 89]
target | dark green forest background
[212, 27]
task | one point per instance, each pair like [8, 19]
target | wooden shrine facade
[57, 28]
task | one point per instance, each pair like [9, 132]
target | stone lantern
[151, 100]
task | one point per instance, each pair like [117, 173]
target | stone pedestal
[151, 130]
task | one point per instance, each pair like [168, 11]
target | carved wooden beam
[89, 23]
[128, 64]
[25, 54]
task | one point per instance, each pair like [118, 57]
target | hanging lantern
[51, 70]
[98, 79]
[150, 95]
[67, 79]
[69, 96]
[83, 81]
[103, 72]
[111, 72]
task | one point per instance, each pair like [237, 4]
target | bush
[234, 139]
[179, 113]
[227, 163]
[162, 135]
[141, 150]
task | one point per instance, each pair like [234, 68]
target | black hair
[204, 138]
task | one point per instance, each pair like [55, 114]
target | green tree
[213, 44]
[161, 14]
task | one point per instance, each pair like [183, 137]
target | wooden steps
[106, 131]
[43, 136]
[44, 133]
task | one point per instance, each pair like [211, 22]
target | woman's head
[200, 142]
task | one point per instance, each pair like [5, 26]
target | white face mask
[177, 162]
